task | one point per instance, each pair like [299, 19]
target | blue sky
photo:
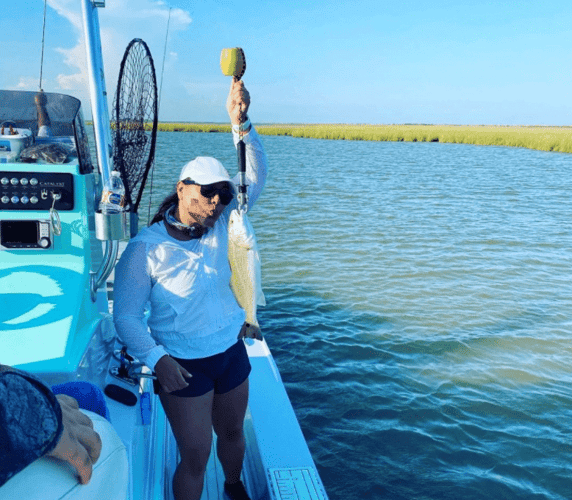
[459, 62]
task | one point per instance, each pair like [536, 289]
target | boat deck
[162, 454]
[277, 465]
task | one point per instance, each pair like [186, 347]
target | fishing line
[43, 41]
[164, 55]
[158, 108]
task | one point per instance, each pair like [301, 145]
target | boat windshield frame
[66, 120]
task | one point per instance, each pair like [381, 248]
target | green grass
[193, 127]
[531, 137]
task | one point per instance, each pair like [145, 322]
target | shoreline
[541, 138]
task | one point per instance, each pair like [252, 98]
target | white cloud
[70, 9]
[120, 21]
[74, 58]
[31, 83]
[27, 83]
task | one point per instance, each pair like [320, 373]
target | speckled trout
[245, 265]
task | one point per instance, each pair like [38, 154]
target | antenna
[43, 41]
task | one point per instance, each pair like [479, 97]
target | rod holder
[98, 278]
[110, 227]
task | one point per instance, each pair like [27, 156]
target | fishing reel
[130, 372]
[130, 369]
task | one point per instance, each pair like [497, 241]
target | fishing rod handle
[233, 62]
[241, 150]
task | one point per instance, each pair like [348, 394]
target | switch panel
[36, 191]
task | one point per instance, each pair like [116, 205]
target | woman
[180, 265]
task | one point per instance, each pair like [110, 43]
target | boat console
[32, 191]
[48, 249]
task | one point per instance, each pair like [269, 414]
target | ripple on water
[419, 314]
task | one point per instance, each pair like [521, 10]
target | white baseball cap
[205, 170]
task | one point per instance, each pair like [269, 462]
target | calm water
[419, 309]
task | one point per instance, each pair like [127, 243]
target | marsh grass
[193, 127]
[540, 138]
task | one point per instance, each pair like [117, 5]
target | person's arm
[132, 289]
[34, 422]
[131, 292]
[256, 165]
[237, 106]
[30, 421]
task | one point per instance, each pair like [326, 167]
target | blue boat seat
[88, 396]
[51, 479]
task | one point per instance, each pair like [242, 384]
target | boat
[57, 255]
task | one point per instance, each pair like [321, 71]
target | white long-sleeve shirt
[193, 312]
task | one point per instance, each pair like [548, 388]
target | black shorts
[222, 372]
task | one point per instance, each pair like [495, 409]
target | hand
[171, 375]
[79, 444]
[250, 331]
[238, 102]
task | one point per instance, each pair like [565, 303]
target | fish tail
[253, 331]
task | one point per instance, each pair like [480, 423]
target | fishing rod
[152, 170]
[233, 63]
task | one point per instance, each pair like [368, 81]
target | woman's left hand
[238, 102]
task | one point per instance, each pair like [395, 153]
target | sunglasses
[209, 191]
